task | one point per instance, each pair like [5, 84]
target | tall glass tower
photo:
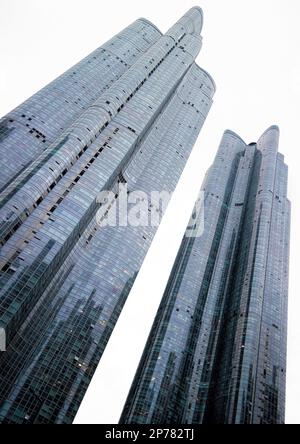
[128, 113]
[217, 349]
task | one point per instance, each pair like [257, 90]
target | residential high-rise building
[128, 113]
[217, 349]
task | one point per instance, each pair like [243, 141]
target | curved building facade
[129, 113]
[217, 349]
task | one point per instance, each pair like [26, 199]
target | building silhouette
[128, 113]
[216, 352]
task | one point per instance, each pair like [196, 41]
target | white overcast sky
[252, 50]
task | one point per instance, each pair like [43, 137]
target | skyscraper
[217, 349]
[128, 113]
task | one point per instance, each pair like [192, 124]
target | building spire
[190, 23]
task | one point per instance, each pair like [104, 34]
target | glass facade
[128, 113]
[216, 352]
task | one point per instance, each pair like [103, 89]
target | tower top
[193, 20]
[190, 23]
